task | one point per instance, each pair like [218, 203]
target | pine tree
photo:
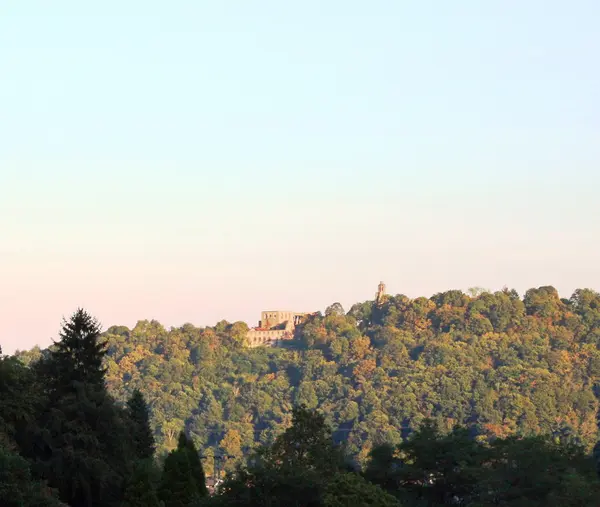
[142, 437]
[183, 480]
[81, 444]
[196, 467]
[79, 354]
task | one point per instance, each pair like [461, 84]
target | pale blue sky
[194, 160]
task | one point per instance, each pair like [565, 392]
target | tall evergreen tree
[79, 354]
[142, 437]
[80, 447]
[183, 480]
[196, 467]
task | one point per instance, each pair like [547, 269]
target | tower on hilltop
[380, 293]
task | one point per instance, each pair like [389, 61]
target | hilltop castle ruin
[273, 327]
[276, 326]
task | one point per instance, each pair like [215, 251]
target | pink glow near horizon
[34, 305]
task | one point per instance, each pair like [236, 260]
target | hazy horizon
[201, 162]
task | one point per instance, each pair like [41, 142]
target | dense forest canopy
[498, 363]
[475, 399]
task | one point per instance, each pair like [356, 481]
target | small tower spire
[380, 293]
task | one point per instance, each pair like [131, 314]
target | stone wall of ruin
[258, 338]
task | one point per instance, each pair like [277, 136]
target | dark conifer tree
[196, 467]
[142, 437]
[183, 480]
[79, 354]
[81, 445]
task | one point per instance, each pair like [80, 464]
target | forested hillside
[495, 362]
